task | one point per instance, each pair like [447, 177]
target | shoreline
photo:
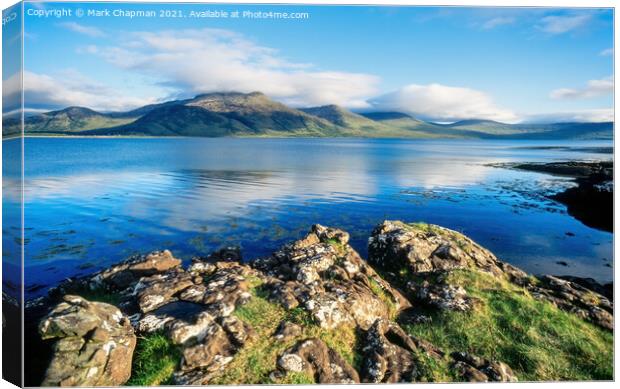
[591, 201]
[430, 138]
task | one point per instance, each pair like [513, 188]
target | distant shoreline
[298, 137]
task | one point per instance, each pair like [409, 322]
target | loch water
[91, 202]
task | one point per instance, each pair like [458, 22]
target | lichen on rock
[94, 344]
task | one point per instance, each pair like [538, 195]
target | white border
[480, 3]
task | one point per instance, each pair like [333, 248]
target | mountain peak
[236, 102]
[75, 110]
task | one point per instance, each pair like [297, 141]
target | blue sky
[443, 64]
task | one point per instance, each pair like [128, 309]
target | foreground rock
[432, 252]
[194, 308]
[93, 346]
[476, 369]
[321, 288]
[129, 272]
[325, 276]
[313, 357]
[575, 298]
[389, 354]
[426, 248]
[606, 290]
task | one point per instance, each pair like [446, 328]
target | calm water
[93, 202]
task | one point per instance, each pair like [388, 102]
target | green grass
[154, 361]
[537, 340]
[340, 248]
[300, 316]
[425, 227]
[257, 359]
[293, 378]
[434, 370]
[379, 292]
[253, 363]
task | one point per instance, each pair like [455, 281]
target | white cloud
[589, 115]
[594, 88]
[562, 24]
[443, 103]
[12, 95]
[72, 88]
[496, 22]
[607, 52]
[93, 32]
[208, 60]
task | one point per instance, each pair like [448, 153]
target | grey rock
[316, 359]
[287, 331]
[94, 344]
[476, 369]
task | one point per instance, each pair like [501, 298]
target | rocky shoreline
[316, 312]
[592, 200]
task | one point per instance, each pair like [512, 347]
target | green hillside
[72, 120]
[256, 115]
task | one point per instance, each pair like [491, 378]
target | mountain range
[256, 115]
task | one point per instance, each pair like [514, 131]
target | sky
[439, 64]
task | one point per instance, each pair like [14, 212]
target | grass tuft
[385, 297]
[293, 378]
[425, 227]
[340, 248]
[154, 361]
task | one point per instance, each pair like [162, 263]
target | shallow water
[93, 202]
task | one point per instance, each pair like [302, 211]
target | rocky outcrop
[209, 345]
[313, 357]
[159, 289]
[322, 286]
[429, 253]
[389, 354]
[194, 308]
[130, 271]
[575, 298]
[427, 248]
[93, 346]
[606, 290]
[439, 293]
[328, 278]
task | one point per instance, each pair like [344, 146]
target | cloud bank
[594, 88]
[73, 88]
[443, 103]
[209, 60]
